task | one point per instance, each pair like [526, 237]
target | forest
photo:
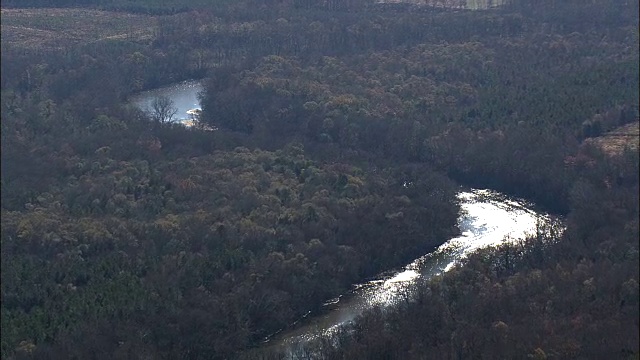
[345, 128]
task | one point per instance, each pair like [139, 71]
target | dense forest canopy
[344, 129]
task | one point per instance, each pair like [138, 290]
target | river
[487, 218]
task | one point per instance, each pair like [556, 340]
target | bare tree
[163, 109]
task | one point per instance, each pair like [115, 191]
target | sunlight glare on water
[184, 96]
[486, 219]
[488, 222]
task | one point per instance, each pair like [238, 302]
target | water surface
[487, 218]
[184, 96]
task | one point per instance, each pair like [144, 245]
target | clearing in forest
[59, 28]
[615, 141]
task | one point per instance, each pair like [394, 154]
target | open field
[615, 141]
[58, 28]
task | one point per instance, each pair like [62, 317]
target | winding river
[487, 218]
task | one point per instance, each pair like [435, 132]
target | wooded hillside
[344, 130]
